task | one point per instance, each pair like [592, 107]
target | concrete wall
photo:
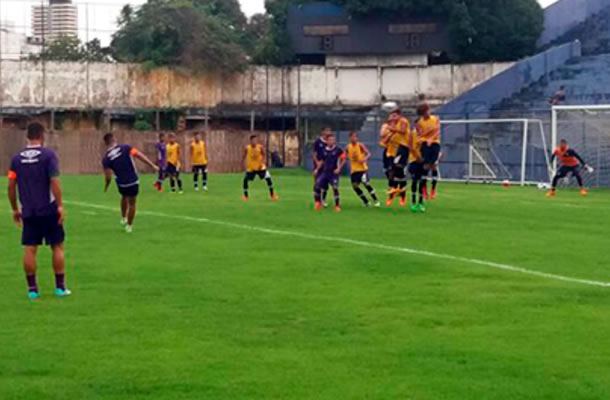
[564, 15]
[504, 85]
[101, 86]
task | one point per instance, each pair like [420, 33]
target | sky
[97, 17]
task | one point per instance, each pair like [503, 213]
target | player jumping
[173, 163]
[255, 161]
[417, 171]
[359, 155]
[429, 130]
[161, 150]
[34, 172]
[199, 157]
[570, 164]
[400, 127]
[119, 160]
[318, 151]
[333, 160]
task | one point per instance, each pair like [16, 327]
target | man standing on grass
[199, 157]
[34, 172]
[255, 161]
[333, 160]
[173, 163]
[570, 165]
[161, 150]
[318, 152]
[359, 155]
[119, 160]
[429, 130]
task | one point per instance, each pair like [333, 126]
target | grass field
[213, 298]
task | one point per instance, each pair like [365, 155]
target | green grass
[188, 309]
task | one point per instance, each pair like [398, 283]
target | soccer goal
[496, 150]
[587, 130]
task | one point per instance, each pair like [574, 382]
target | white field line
[361, 243]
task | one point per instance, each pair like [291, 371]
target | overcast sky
[102, 14]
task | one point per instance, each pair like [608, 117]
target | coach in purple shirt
[34, 173]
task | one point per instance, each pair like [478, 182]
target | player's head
[35, 133]
[394, 115]
[109, 139]
[353, 137]
[331, 140]
[423, 110]
[326, 132]
[563, 143]
[171, 137]
[197, 136]
[253, 140]
[162, 137]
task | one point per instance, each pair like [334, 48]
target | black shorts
[172, 170]
[402, 156]
[37, 229]
[251, 175]
[565, 171]
[416, 169]
[431, 153]
[388, 161]
[360, 177]
[130, 191]
[200, 168]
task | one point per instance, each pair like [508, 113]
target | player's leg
[266, 175]
[321, 186]
[59, 268]
[196, 177]
[336, 194]
[562, 173]
[579, 180]
[247, 179]
[366, 181]
[29, 266]
[124, 209]
[204, 177]
[160, 179]
[435, 150]
[401, 179]
[131, 214]
[422, 196]
[179, 181]
[172, 181]
[356, 186]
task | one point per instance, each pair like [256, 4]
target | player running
[429, 130]
[119, 160]
[173, 163]
[255, 161]
[400, 128]
[34, 173]
[199, 156]
[333, 160]
[570, 164]
[359, 155]
[318, 151]
[161, 150]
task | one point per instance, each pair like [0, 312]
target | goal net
[496, 150]
[587, 130]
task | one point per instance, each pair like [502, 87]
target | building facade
[54, 20]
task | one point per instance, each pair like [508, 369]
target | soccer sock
[402, 185]
[245, 187]
[422, 184]
[324, 194]
[32, 285]
[204, 178]
[555, 182]
[60, 281]
[317, 194]
[579, 179]
[360, 194]
[196, 179]
[414, 183]
[179, 184]
[434, 179]
[270, 185]
[172, 184]
[337, 196]
[371, 191]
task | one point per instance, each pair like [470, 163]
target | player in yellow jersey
[199, 157]
[173, 163]
[391, 143]
[416, 169]
[358, 155]
[388, 162]
[429, 130]
[400, 128]
[255, 161]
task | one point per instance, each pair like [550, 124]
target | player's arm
[107, 178]
[12, 197]
[365, 150]
[142, 157]
[342, 160]
[580, 160]
[263, 156]
[58, 194]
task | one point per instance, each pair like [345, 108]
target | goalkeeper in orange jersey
[571, 162]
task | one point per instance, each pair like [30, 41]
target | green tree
[71, 49]
[481, 30]
[199, 34]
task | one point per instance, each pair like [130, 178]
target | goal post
[500, 149]
[587, 130]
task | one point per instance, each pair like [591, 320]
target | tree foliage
[199, 34]
[71, 49]
[481, 30]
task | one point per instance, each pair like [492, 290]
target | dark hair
[35, 131]
[108, 138]
[353, 133]
[252, 137]
[563, 141]
[422, 109]
[161, 135]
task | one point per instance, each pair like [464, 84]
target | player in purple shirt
[318, 152]
[161, 150]
[119, 161]
[34, 172]
[331, 162]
